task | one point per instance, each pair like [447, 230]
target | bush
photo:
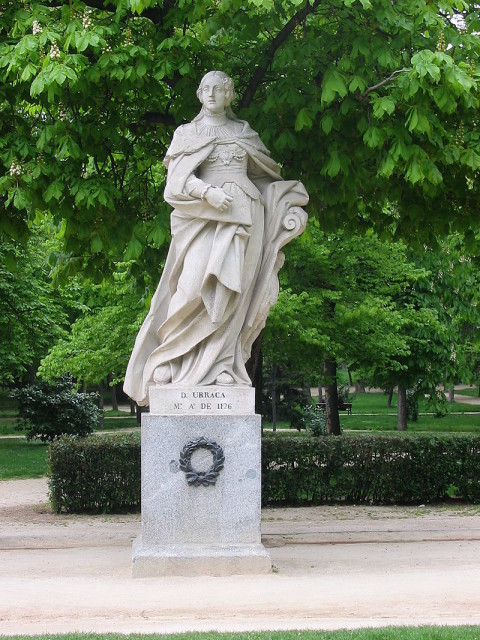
[315, 420]
[369, 469]
[49, 411]
[99, 474]
[102, 473]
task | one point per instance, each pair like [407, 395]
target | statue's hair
[229, 92]
[226, 81]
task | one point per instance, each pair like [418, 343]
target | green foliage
[377, 98]
[99, 474]
[369, 469]
[102, 473]
[48, 411]
[101, 337]
[32, 315]
[315, 421]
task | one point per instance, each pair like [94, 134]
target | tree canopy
[372, 104]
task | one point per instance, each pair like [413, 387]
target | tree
[101, 339]
[435, 310]
[368, 101]
[32, 314]
[393, 315]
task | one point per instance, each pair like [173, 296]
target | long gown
[208, 306]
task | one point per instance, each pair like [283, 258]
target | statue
[232, 214]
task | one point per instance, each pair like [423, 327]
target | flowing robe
[219, 279]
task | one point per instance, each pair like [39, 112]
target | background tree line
[372, 104]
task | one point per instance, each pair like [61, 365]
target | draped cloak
[219, 279]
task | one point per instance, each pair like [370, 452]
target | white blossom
[36, 28]
[16, 168]
[86, 19]
[54, 51]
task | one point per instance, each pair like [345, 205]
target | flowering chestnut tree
[371, 103]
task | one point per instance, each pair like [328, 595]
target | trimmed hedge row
[371, 469]
[102, 473]
[97, 474]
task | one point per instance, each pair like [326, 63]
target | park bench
[342, 406]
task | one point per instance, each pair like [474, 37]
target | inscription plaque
[209, 400]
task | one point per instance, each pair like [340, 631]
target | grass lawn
[456, 423]
[385, 633]
[22, 459]
[110, 423]
[472, 391]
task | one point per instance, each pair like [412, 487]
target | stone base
[195, 528]
[198, 560]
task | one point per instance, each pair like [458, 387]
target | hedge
[372, 469]
[102, 473]
[97, 474]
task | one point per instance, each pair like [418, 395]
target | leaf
[20, 199]
[414, 172]
[333, 84]
[37, 85]
[418, 121]
[326, 123]
[382, 106]
[134, 249]
[54, 190]
[29, 71]
[96, 244]
[304, 119]
[157, 235]
[374, 137]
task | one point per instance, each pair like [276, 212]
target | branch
[268, 56]
[382, 83]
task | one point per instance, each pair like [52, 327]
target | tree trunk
[140, 410]
[113, 389]
[274, 398]
[100, 402]
[84, 387]
[350, 379]
[331, 397]
[320, 390]
[133, 408]
[451, 394]
[31, 374]
[254, 370]
[390, 398]
[402, 408]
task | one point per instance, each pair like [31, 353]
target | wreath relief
[205, 478]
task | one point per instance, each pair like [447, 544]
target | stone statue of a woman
[232, 214]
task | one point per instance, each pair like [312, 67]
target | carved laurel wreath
[204, 478]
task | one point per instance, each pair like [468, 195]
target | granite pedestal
[193, 529]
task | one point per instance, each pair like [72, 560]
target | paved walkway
[338, 567]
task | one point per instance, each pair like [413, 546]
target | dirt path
[337, 567]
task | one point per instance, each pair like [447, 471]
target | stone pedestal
[210, 525]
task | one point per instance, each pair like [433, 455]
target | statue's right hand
[218, 198]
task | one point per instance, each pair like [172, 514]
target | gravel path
[338, 567]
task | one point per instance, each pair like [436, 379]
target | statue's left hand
[218, 198]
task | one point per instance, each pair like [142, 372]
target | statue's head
[216, 91]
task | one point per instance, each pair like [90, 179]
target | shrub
[99, 474]
[102, 473]
[373, 469]
[315, 420]
[49, 411]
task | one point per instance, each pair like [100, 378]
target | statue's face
[213, 94]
